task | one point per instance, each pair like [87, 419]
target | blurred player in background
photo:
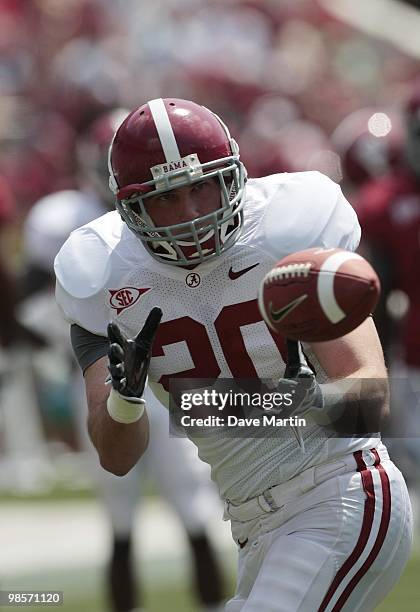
[369, 142]
[24, 466]
[389, 212]
[321, 522]
[180, 477]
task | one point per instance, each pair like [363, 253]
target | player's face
[184, 204]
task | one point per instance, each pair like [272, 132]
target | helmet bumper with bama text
[170, 143]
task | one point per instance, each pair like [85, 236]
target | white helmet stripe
[164, 129]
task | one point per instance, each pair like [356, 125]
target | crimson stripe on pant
[368, 516]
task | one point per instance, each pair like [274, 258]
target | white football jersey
[211, 325]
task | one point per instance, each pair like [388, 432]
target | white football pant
[341, 545]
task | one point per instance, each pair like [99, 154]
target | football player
[166, 286]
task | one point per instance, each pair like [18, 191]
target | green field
[404, 598]
[172, 597]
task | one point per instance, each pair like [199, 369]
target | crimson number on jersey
[228, 328]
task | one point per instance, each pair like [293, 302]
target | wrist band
[125, 410]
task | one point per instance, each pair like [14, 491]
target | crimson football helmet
[170, 143]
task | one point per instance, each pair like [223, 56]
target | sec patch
[125, 297]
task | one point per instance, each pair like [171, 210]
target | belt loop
[369, 458]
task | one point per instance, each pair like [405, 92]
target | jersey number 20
[228, 328]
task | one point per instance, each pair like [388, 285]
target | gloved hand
[305, 394]
[129, 358]
[300, 382]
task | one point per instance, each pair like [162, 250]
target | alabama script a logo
[124, 298]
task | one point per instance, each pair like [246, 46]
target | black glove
[300, 382]
[129, 358]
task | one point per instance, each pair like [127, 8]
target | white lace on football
[289, 271]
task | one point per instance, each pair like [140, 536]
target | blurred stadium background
[298, 82]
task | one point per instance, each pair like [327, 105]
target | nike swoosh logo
[278, 315]
[234, 275]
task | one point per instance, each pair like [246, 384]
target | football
[318, 294]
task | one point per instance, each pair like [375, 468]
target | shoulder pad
[306, 209]
[82, 266]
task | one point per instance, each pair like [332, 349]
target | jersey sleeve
[87, 347]
[309, 210]
[82, 269]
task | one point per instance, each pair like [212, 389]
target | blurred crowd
[282, 74]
